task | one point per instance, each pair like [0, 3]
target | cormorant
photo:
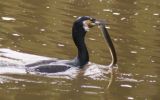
[79, 30]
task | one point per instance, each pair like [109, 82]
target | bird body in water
[79, 30]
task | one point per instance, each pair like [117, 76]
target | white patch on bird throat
[85, 26]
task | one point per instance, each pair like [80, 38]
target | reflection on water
[44, 28]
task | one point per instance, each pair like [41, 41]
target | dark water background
[43, 27]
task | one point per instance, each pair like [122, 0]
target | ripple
[130, 98]
[89, 92]
[42, 30]
[108, 27]
[123, 18]
[12, 70]
[8, 18]
[126, 85]
[129, 80]
[142, 48]
[44, 44]
[152, 81]
[156, 14]
[146, 9]
[89, 86]
[151, 76]
[136, 14]
[107, 10]
[115, 13]
[47, 7]
[133, 52]
[92, 39]
[6, 79]
[15, 34]
[96, 71]
[60, 45]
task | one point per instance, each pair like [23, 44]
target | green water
[43, 27]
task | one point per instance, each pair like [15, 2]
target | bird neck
[83, 56]
[78, 35]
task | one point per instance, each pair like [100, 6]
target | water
[43, 27]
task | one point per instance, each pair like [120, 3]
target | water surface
[43, 27]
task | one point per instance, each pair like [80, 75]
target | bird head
[85, 23]
[80, 27]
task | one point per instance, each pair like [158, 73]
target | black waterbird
[79, 30]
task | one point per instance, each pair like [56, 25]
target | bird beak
[96, 23]
[87, 24]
